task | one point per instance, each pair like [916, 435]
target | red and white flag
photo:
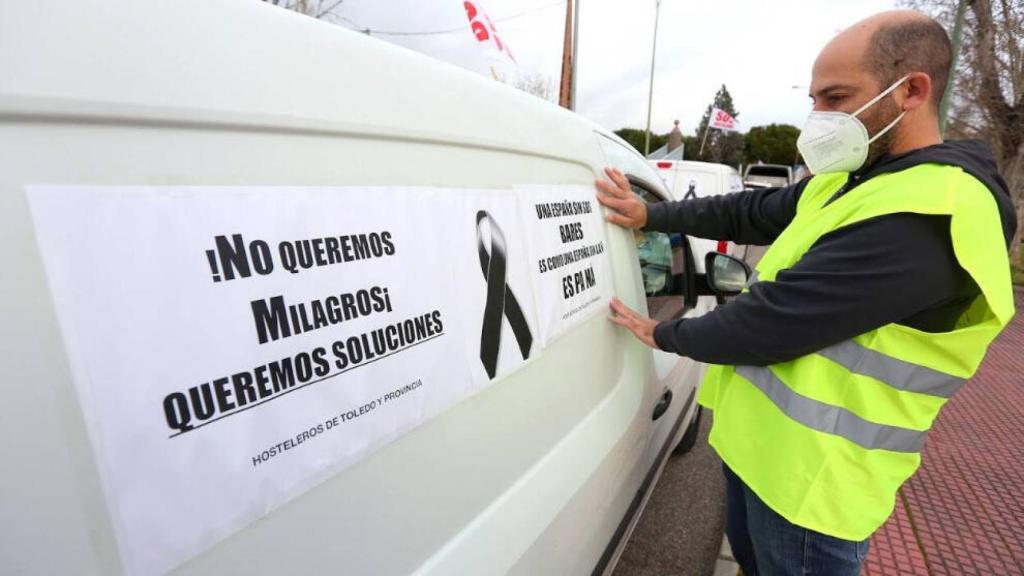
[722, 120]
[501, 62]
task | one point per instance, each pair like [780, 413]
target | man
[886, 281]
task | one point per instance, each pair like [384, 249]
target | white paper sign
[565, 230]
[266, 338]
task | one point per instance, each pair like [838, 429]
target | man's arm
[749, 217]
[894, 268]
[753, 217]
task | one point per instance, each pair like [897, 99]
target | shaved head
[872, 55]
[906, 42]
[887, 46]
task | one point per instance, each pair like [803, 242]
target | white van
[687, 179]
[173, 172]
[768, 176]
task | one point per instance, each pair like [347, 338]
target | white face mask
[837, 141]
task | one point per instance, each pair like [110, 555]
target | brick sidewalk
[963, 512]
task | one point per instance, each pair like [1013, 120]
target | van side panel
[249, 95]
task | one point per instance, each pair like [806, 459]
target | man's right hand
[628, 210]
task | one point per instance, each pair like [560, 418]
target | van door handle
[662, 406]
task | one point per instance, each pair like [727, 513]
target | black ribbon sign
[501, 302]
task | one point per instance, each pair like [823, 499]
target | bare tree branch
[1012, 35]
[323, 12]
[988, 94]
[991, 92]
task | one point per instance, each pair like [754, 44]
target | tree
[723, 147]
[316, 8]
[988, 93]
[635, 138]
[772, 144]
[537, 84]
[691, 145]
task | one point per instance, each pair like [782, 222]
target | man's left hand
[641, 326]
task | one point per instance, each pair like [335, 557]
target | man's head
[868, 57]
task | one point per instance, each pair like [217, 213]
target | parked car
[688, 179]
[767, 176]
[163, 124]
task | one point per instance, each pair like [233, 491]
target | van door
[667, 269]
[669, 274]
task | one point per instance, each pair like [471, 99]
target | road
[680, 531]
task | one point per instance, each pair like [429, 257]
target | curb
[726, 565]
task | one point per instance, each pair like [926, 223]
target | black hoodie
[897, 268]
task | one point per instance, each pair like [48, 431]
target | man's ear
[918, 91]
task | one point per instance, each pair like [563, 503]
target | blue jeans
[766, 544]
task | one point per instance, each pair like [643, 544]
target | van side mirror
[726, 275]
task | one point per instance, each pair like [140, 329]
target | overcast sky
[759, 50]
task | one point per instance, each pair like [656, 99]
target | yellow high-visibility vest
[827, 439]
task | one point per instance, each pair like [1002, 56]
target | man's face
[841, 83]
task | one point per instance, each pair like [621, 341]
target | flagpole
[650, 90]
[705, 139]
[575, 52]
[565, 91]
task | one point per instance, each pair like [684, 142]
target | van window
[768, 170]
[663, 257]
[662, 264]
[630, 162]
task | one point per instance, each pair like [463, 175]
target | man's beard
[885, 112]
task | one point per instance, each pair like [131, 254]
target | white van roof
[300, 94]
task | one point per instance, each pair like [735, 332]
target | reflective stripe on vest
[831, 419]
[897, 373]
